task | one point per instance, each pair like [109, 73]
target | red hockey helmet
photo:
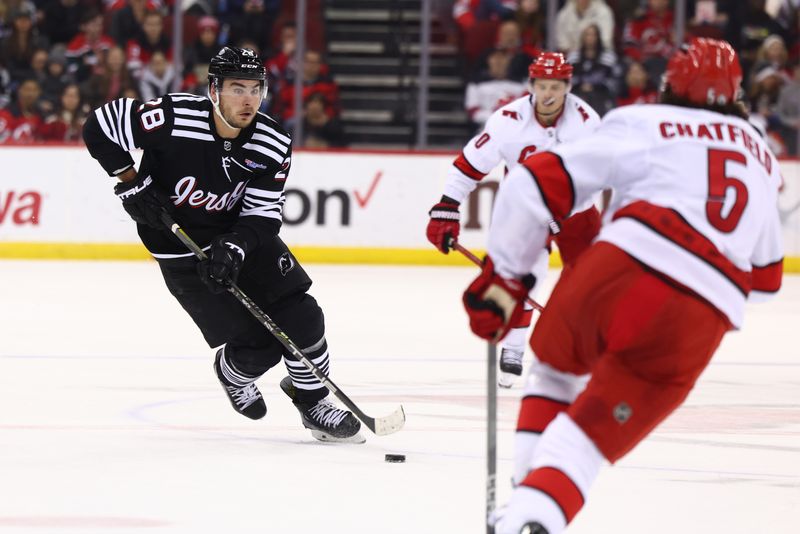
[705, 72]
[550, 66]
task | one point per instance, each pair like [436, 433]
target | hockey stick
[491, 434]
[380, 426]
[474, 259]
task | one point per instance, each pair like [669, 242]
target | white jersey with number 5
[513, 134]
[695, 198]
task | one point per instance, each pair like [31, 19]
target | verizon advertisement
[347, 200]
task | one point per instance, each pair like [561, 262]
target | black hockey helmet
[235, 62]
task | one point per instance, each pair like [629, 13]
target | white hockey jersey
[695, 198]
[513, 134]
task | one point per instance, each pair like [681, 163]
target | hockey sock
[548, 392]
[308, 387]
[233, 375]
[565, 465]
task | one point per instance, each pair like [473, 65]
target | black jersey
[217, 185]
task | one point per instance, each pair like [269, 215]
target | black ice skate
[326, 421]
[533, 528]
[245, 398]
[510, 367]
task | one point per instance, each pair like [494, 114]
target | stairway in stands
[373, 52]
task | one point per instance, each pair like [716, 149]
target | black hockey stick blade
[381, 426]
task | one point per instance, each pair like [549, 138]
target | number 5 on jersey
[718, 184]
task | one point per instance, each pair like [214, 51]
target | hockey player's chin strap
[215, 104]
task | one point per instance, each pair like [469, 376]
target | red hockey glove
[494, 303]
[443, 226]
[577, 234]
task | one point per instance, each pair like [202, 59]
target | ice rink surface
[112, 420]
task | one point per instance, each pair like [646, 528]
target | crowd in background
[619, 48]
[61, 58]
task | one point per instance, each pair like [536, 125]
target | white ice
[112, 420]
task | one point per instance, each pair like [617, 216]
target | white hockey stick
[380, 426]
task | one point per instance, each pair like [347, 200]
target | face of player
[239, 100]
[550, 95]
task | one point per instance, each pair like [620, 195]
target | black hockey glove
[225, 259]
[143, 202]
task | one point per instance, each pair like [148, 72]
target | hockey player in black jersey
[218, 166]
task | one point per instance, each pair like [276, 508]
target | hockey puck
[395, 458]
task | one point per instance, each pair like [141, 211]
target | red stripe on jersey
[559, 487]
[768, 278]
[466, 167]
[524, 320]
[537, 412]
[671, 225]
[554, 182]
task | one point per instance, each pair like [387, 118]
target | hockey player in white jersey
[549, 115]
[694, 233]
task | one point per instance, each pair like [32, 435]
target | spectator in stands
[249, 19]
[7, 10]
[788, 111]
[89, 47]
[649, 40]
[316, 79]
[5, 86]
[110, 81]
[750, 26]
[576, 15]
[38, 65]
[467, 12]
[281, 62]
[62, 20]
[596, 71]
[205, 46]
[486, 95]
[709, 19]
[638, 88]
[772, 54]
[126, 23]
[158, 77]
[56, 77]
[66, 122]
[280, 67]
[21, 121]
[531, 20]
[509, 40]
[150, 40]
[17, 49]
[320, 129]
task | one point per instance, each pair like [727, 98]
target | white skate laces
[244, 396]
[327, 414]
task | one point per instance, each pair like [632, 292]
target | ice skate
[510, 367]
[245, 398]
[326, 421]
